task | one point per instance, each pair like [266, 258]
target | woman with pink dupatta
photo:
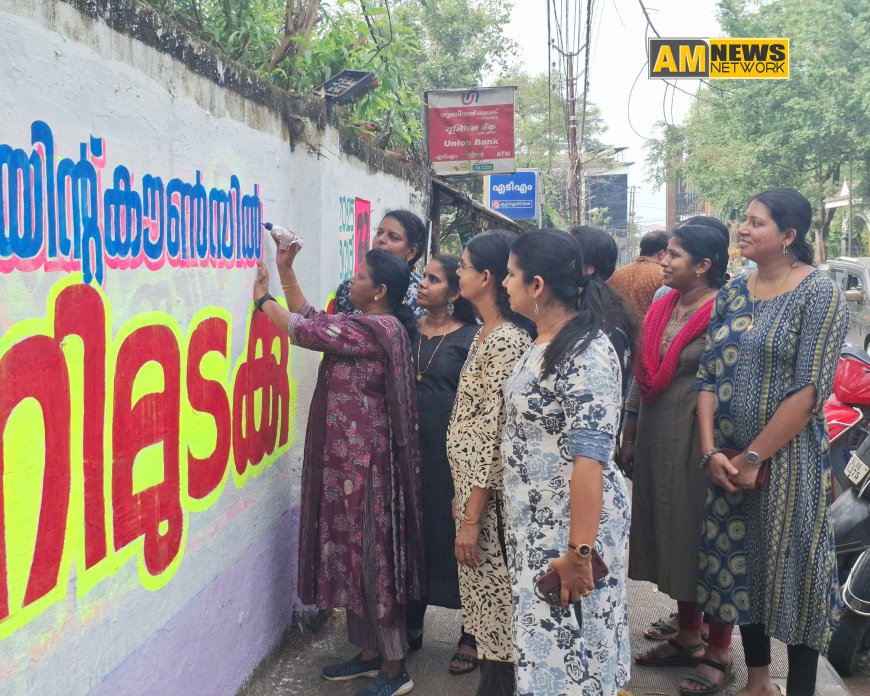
[668, 486]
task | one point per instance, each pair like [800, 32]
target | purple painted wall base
[206, 648]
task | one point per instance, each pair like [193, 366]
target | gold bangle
[288, 288]
[469, 522]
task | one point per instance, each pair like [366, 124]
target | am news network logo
[723, 59]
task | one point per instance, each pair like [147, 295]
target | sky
[618, 53]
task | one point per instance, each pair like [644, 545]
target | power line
[648, 20]
[549, 89]
[628, 103]
[586, 72]
[631, 91]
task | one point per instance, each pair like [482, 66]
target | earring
[784, 250]
[450, 308]
[536, 307]
[377, 299]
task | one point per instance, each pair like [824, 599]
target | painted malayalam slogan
[354, 233]
[60, 214]
[354, 238]
[112, 434]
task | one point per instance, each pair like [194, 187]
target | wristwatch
[263, 300]
[752, 457]
[582, 550]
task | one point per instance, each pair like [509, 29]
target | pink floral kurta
[361, 442]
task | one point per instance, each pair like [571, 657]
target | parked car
[852, 274]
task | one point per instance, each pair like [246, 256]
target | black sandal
[464, 663]
[462, 659]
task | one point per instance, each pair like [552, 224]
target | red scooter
[847, 413]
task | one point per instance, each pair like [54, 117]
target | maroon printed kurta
[361, 440]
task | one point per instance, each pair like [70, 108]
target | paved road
[295, 668]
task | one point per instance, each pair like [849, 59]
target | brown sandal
[710, 687]
[662, 630]
[685, 656]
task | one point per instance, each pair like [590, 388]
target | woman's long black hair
[791, 210]
[463, 310]
[392, 272]
[489, 251]
[556, 257]
[600, 251]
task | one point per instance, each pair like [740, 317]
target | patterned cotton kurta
[767, 555]
[555, 655]
[473, 449]
[361, 445]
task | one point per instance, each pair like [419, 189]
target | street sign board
[471, 131]
[516, 196]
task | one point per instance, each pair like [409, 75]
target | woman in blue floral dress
[564, 494]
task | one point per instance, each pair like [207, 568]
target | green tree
[461, 40]
[743, 136]
[410, 45]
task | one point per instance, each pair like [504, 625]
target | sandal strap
[461, 657]
[715, 664]
[684, 649]
[702, 681]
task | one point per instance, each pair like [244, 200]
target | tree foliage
[743, 136]
[410, 45]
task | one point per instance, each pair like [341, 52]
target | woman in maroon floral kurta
[360, 533]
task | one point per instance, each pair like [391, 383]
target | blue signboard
[514, 195]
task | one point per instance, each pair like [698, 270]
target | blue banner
[514, 195]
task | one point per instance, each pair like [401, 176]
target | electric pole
[573, 155]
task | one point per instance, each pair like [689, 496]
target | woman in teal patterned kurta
[767, 560]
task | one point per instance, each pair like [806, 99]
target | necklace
[680, 318]
[755, 298]
[691, 308]
[421, 372]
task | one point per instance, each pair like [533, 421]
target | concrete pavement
[294, 669]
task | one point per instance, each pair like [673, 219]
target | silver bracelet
[707, 455]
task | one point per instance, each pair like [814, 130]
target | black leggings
[802, 660]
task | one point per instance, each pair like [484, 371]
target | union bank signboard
[471, 131]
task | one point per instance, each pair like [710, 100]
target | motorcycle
[847, 413]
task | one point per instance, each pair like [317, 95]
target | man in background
[638, 281]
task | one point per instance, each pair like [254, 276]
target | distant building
[681, 202]
[609, 191]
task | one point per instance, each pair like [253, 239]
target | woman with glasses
[473, 449]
